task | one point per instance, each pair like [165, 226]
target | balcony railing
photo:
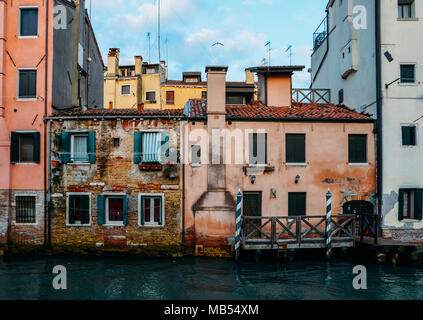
[311, 95]
[320, 34]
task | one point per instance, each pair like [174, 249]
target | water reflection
[206, 278]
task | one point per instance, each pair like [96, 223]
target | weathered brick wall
[27, 233]
[4, 216]
[115, 172]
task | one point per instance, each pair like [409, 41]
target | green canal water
[204, 278]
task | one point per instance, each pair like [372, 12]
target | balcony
[320, 35]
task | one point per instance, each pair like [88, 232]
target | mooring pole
[328, 224]
[238, 224]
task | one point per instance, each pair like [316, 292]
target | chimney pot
[110, 105]
[140, 107]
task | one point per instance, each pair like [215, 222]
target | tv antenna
[268, 44]
[290, 54]
[149, 46]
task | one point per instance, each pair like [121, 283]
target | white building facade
[370, 55]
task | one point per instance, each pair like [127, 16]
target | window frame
[35, 209]
[68, 194]
[305, 203]
[126, 85]
[415, 74]
[411, 204]
[106, 210]
[266, 160]
[72, 147]
[20, 133]
[170, 102]
[299, 164]
[155, 96]
[416, 140]
[151, 195]
[19, 98]
[400, 7]
[367, 150]
[20, 36]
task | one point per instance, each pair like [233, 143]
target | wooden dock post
[238, 224]
[328, 234]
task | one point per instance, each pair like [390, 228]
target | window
[409, 135]
[410, 204]
[112, 210]
[408, 73]
[25, 147]
[151, 147]
[28, 26]
[295, 148]
[296, 204]
[27, 85]
[204, 95]
[231, 100]
[196, 155]
[125, 90]
[357, 148]
[406, 9]
[25, 209]
[258, 149]
[341, 96]
[78, 209]
[151, 211]
[150, 96]
[79, 148]
[152, 70]
[170, 97]
[116, 142]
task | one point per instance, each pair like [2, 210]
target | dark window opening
[296, 204]
[28, 22]
[409, 135]
[79, 209]
[408, 73]
[341, 96]
[150, 96]
[116, 142]
[295, 148]
[115, 209]
[357, 148]
[27, 84]
[410, 204]
[25, 209]
[151, 210]
[234, 99]
[406, 9]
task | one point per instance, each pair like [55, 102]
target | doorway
[252, 202]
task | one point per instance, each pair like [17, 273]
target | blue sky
[192, 26]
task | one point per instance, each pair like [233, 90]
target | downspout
[327, 47]
[379, 166]
[46, 206]
[183, 186]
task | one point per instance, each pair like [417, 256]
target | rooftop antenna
[290, 54]
[268, 44]
[167, 58]
[149, 46]
[160, 74]
[158, 1]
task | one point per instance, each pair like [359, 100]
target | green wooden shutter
[23, 83]
[418, 205]
[413, 132]
[405, 136]
[14, 148]
[71, 211]
[32, 83]
[66, 147]
[125, 210]
[265, 148]
[164, 147]
[252, 144]
[91, 147]
[401, 205]
[161, 212]
[142, 210]
[85, 207]
[137, 147]
[36, 156]
[101, 218]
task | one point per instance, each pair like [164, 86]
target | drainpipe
[184, 126]
[379, 166]
[46, 206]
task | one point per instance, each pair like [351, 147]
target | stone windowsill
[252, 170]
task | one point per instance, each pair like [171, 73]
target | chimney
[249, 77]
[138, 65]
[110, 105]
[216, 89]
[140, 107]
[113, 62]
[163, 70]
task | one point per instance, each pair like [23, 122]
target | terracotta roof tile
[118, 112]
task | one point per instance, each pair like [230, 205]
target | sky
[189, 28]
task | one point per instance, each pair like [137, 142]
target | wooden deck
[369, 241]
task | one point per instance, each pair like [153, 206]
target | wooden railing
[368, 226]
[311, 95]
[278, 231]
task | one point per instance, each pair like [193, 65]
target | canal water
[204, 278]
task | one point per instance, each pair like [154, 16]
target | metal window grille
[25, 209]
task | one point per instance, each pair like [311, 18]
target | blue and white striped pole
[328, 224]
[238, 224]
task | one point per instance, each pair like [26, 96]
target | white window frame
[106, 209]
[26, 195]
[73, 135]
[19, 26]
[151, 225]
[415, 74]
[417, 134]
[126, 85]
[155, 96]
[68, 194]
[36, 87]
[192, 162]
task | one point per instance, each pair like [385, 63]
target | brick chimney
[138, 65]
[249, 77]
[113, 62]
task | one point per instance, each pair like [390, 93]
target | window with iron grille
[406, 9]
[150, 96]
[408, 73]
[125, 90]
[25, 209]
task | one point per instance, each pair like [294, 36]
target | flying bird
[217, 43]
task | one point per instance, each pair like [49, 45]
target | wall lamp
[297, 179]
[253, 179]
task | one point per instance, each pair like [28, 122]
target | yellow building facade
[146, 85]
